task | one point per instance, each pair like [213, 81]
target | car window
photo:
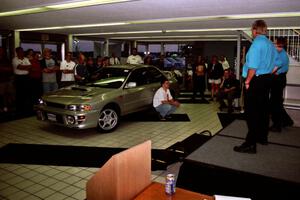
[139, 76]
[154, 75]
[110, 78]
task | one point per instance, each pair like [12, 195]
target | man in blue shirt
[280, 117]
[261, 59]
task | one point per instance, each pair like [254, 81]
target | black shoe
[263, 141]
[245, 148]
[161, 118]
[275, 129]
[168, 117]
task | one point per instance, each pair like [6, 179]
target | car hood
[75, 94]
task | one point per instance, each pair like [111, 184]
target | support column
[106, 47]
[162, 48]
[239, 102]
[134, 44]
[147, 49]
[70, 43]
[17, 41]
[238, 57]
[129, 48]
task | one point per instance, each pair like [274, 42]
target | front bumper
[70, 119]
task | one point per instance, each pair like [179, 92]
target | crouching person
[163, 101]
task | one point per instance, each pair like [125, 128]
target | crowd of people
[30, 74]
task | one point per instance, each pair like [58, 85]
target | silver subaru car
[118, 90]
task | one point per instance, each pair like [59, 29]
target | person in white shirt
[134, 58]
[224, 63]
[163, 101]
[114, 60]
[22, 66]
[67, 68]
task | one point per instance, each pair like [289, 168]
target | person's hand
[247, 86]
[46, 70]
[176, 103]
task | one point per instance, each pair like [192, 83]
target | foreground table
[156, 191]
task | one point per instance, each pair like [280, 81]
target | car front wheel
[108, 120]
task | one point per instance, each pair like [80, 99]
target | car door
[136, 98]
[154, 80]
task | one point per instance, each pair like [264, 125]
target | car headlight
[84, 107]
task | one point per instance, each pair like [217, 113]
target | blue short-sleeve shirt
[262, 56]
[284, 62]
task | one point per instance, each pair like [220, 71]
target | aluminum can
[170, 184]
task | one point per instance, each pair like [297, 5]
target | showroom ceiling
[155, 20]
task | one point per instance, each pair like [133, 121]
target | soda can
[170, 184]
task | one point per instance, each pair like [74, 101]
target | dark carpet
[84, 156]
[228, 118]
[75, 156]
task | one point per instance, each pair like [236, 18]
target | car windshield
[110, 78]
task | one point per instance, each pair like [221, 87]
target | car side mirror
[130, 85]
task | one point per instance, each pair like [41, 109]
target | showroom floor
[23, 181]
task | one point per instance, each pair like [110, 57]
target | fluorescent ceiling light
[73, 26]
[185, 40]
[117, 33]
[219, 17]
[176, 36]
[162, 31]
[84, 4]
[63, 6]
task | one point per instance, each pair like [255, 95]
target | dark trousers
[199, 86]
[278, 114]
[230, 96]
[23, 95]
[257, 108]
[36, 90]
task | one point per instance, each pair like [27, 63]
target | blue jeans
[49, 86]
[165, 109]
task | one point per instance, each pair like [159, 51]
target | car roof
[129, 66]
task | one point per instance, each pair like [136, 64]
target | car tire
[108, 120]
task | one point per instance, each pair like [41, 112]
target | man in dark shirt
[81, 71]
[229, 90]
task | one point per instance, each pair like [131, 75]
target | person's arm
[230, 89]
[141, 60]
[26, 65]
[128, 60]
[171, 101]
[251, 73]
[278, 63]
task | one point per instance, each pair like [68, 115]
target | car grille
[55, 105]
